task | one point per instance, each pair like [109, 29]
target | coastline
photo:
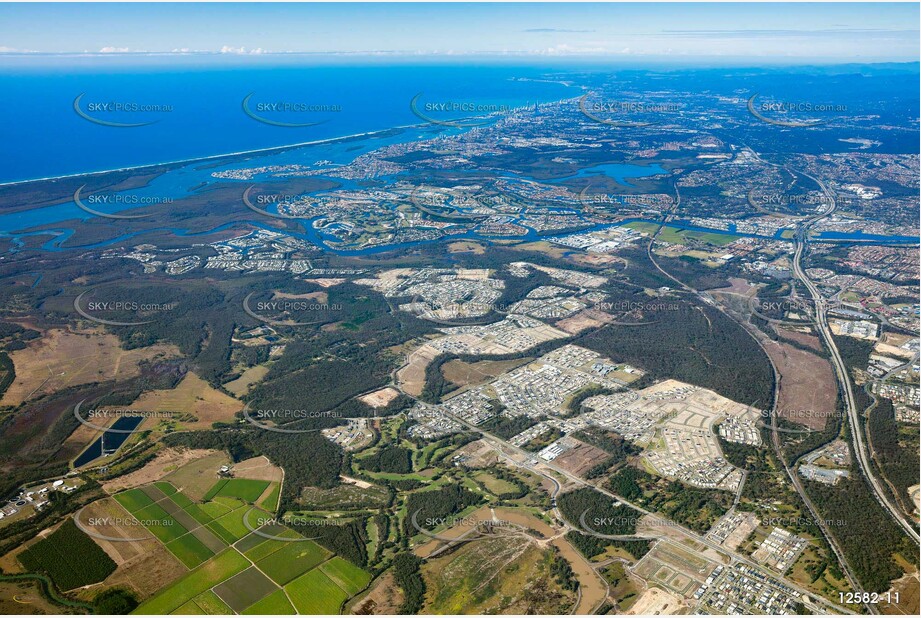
[270, 149]
[258, 151]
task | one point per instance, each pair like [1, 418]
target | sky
[835, 32]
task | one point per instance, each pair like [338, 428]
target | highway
[505, 448]
[868, 389]
[790, 471]
[861, 449]
[846, 389]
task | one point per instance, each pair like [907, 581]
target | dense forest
[308, 459]
[349, 540]
[696, 508]
[507, 427]
[436, 385]
[864, 530]
[408, 577]
[591, 546]
[694, 274]
[437, 504]
[608, 441]
[600, 513]
[390, 458]
[694, 343]
[895, 449]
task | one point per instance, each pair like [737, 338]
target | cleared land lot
[197, 477]
[463, 373]
[380, 398]
[110, 519]
[412, 375]
[62, 358]
[384, 597]
[581, 459]
[506, 575]
[655, 601]
[674, 568]
[247, 379]
[584, 320]
[148, 572]
[192, 395]
[169, 461]
[807, 385]
[258, 468]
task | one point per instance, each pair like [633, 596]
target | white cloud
[13, 50]
[227, 49]
[114, 50]
[563, 49]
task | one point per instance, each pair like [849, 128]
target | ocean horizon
[69, 121]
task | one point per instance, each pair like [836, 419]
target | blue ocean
[197, 110]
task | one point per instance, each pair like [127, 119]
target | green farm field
[348, 576]
[315, 593]
[224, 566]
[289, 562]
[276, 604]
